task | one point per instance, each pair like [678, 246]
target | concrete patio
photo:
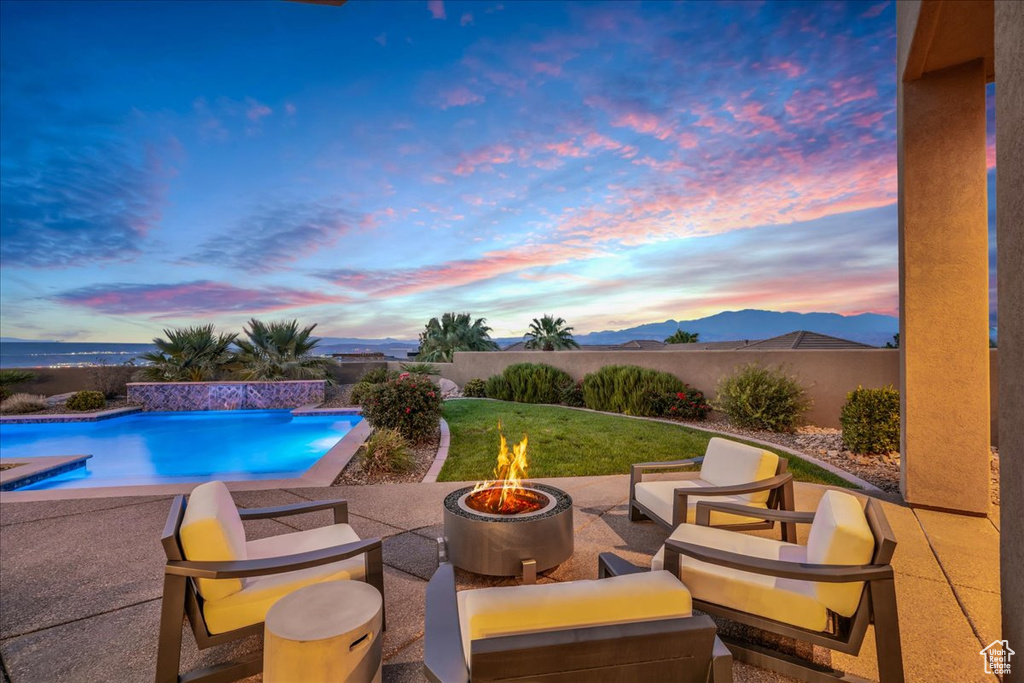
[81, 580]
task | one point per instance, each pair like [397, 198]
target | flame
[508, 474]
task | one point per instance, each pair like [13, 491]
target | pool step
[28, 471]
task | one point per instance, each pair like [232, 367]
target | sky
[369, 166]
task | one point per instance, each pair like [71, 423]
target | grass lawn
[573, 443]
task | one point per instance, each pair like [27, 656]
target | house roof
[632, 345]
[799, 339]
[802, 339]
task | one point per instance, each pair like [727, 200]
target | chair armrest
[443, 658]
[270, 565]
[637, 469]
[340, 508]
[825, 573]
[738, 489]
[705, 507]
[610, 564]
[721, 663]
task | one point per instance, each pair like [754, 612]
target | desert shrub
[625, 388]
[9, 378]
[22, 403]
[420, 368]
[385, 452]
[757, 397]
[475, 388]
[86, 400]
[111, 380]
[871, 420]
[688, 404]
[528, 383]
[571, 394]
[380, 375]
[411, 404]
[359, 392]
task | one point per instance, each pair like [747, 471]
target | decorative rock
[449, 389]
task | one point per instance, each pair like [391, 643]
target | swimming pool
[169, 448]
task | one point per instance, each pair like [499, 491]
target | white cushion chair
[225, 583]
[824, 593]
[634, 626]
[730, 472]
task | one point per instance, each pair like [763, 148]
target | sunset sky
[370, 166]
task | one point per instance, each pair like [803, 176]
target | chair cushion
[840, 534]
[249, 605]
[786, 600]
[212, 531]
[509, 610]
[727, 463]
[658, 497]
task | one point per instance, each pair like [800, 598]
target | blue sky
[370, 166]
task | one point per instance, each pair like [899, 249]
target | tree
[189, 354]
[895, 343]
[278, 351]
[550, 333]
[453, 332]
[681, 337]
[9, 378]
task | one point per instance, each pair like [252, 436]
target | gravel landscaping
[60, 409]
[423, 455]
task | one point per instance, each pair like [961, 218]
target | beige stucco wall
[1009, 49]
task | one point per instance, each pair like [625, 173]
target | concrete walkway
[80, 580]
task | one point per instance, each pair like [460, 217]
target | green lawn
[573, 443]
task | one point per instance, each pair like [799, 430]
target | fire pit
[508, 525]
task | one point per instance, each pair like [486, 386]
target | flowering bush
[688, 404]
[410, 404]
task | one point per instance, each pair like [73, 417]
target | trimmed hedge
[86, 400]
[871, 420]
[411, 404]
[627, 389]
[528, 383]
[757, 397]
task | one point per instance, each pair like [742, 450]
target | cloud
[466, 20]
[79, 206]
[484, 158]
[256, 110]
[436, 9]
[277, 235]
[382, 39]
[290, 109]
[197, 298]
[459, 96]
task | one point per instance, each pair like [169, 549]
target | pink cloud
[466, 20]
[290, 109]
[874, 10]
[256, 110]
[547, 68]
[484, 158]
[460, 96]
[197, 298]
[867, 120]
[436, 9]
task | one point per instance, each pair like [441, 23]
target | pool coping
[30, 468]
[70, 417]
[322, 473]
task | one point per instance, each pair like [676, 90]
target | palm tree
[550, 333]
[681, 337]
[189, 354]
[277, 351]
[453, 332]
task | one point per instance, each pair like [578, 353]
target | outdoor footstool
[225, 584]
[325, 633]
[729, 472]
[825, 593]
[637, 626]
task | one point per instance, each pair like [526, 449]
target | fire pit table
[508, 526]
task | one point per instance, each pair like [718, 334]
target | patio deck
[80, 580]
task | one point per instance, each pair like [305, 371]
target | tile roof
[802, 339]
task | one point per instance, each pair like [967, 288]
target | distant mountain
[16, 340]
[867, 328]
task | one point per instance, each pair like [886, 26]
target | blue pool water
[167, 448]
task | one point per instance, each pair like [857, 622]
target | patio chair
[824, 593]
[630, 624]
[225, 584]
[730, 472]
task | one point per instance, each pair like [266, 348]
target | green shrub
[359, 392]
[757, 397]
[528, 383]
[688, 404]
[379, 375]
[86, 400]
[9, 378]
[411, 404]
[475, 388]
[871, 420]
[385, 452]
[22, 403]
[626, 388]
[420, 368]
[571, 394]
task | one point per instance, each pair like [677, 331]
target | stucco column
[944, 373]
[1010, 235]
